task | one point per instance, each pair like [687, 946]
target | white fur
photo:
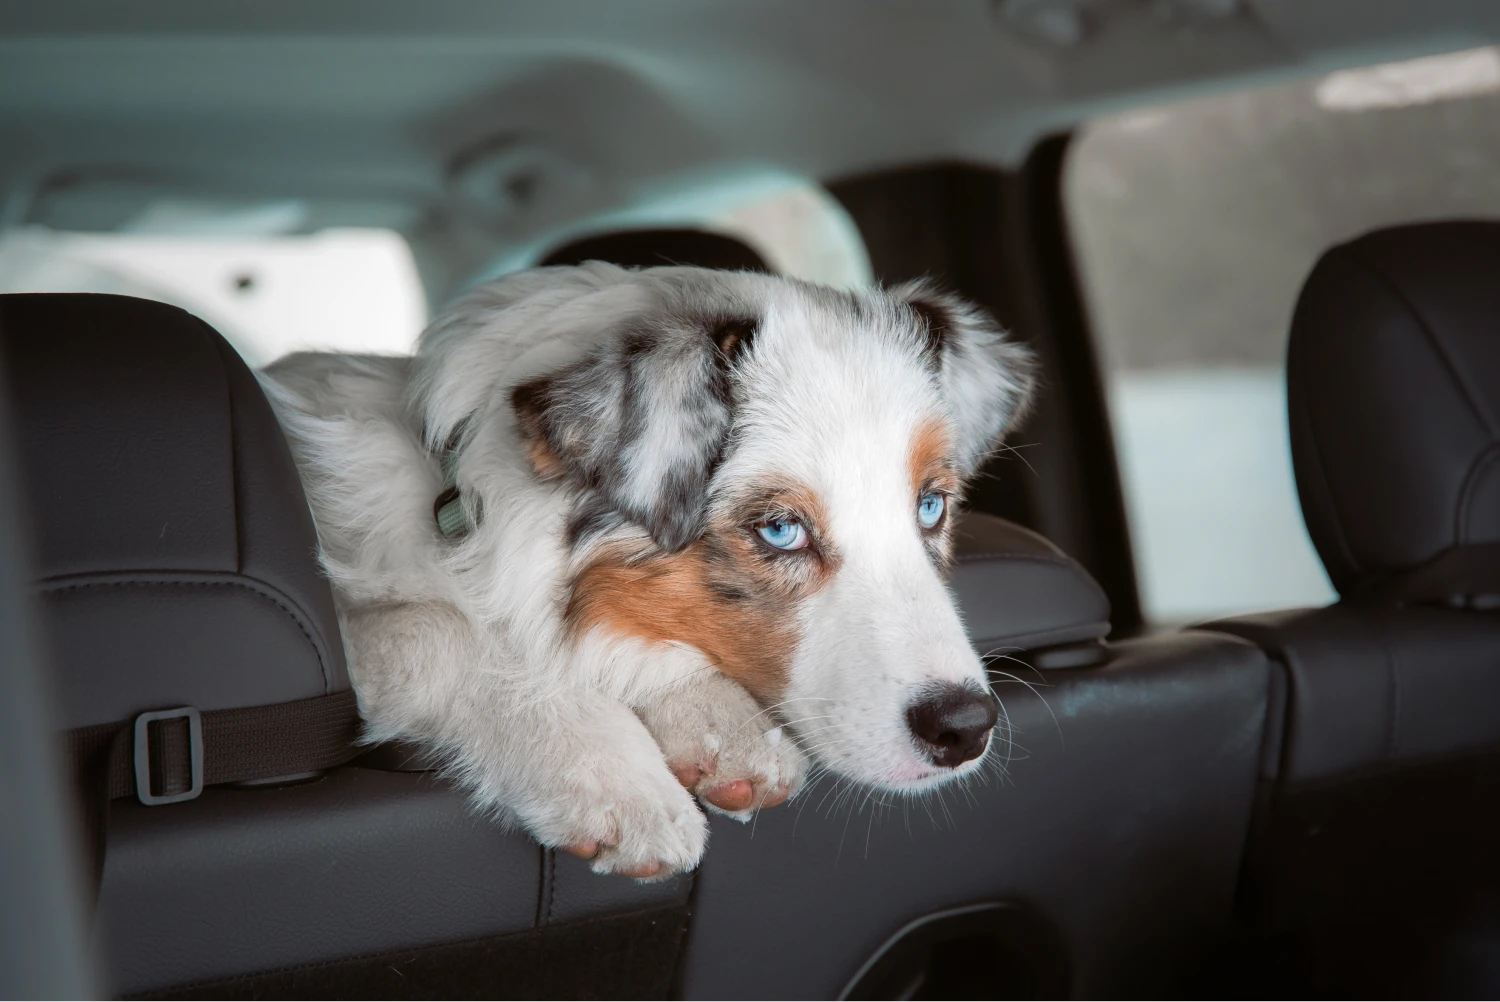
[462, 644]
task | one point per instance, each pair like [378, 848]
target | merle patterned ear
[987, 379]
[641, 421]
[935, 324]
[733, 338]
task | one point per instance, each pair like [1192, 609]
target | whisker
[670, 683]
[1034, 692]
[1016, 451]
[784, 702]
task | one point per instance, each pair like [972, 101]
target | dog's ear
[641, 421]
[987, 380]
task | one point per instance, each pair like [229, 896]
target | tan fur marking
[929, 462]
[727, 595]
[669, 598]
[543, 460]
[930, 466]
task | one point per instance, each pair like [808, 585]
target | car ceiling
[515, 117]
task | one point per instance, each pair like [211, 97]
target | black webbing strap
[178, 752]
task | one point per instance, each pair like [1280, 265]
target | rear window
[359, 290]
[1194, 226]
[341, 290]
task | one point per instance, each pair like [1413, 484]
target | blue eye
[930, 510]
[783, 533]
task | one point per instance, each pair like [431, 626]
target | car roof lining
[523, 117]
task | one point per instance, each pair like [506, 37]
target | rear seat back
[1378, 844]
[1393, 374]
[176, 563]
[1393, 387]
[1099, 858]
[1114, 829]
[173, 548]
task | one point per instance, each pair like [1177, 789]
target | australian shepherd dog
[613, 543]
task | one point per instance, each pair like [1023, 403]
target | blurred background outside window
[1194, 226]
[271, 290]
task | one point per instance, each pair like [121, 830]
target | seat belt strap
[237, 745]
[167, 756]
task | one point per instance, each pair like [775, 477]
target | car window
[344, 290]
[358, 289]
[1194, 226]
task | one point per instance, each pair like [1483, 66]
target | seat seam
[551, 884]
[1483, 461]
[1036, 558]
[1432, 340]
[1323, 483]
[52, 586]
[216, 341]
[977, 642]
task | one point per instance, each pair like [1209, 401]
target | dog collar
[449, 511]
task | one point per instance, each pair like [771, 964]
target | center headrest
[1020, 594]
[653, 248]
[1393, 386]
[175, 554]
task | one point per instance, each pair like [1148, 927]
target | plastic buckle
[143, 755]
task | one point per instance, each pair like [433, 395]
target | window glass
[359, 289]
[345, 290]
[1194, 226]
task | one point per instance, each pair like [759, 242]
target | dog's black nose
[953, 724]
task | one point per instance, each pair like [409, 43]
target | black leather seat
[168, 515]
[1375, 866]
[175, 561]
[1101, 860]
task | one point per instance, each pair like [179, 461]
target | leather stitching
[551, 882]
[1481, 464]
[1359, 267]
[1437, 346]
[1036, 558]
[52, 586]
[220, 347]
[1322, 483]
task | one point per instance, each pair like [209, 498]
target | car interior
[1291, 792]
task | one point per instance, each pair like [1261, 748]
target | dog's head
[768, 471]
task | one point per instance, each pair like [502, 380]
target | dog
[614, 538]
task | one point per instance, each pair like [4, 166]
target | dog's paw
[636, 823]
[723, 747]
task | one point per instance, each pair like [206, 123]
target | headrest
[1023, 597]
[174, 551]
[652, 248]
[1393, 384]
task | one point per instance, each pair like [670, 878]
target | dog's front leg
[576, 767]
[722, 745]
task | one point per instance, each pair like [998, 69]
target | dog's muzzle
[952, 725]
